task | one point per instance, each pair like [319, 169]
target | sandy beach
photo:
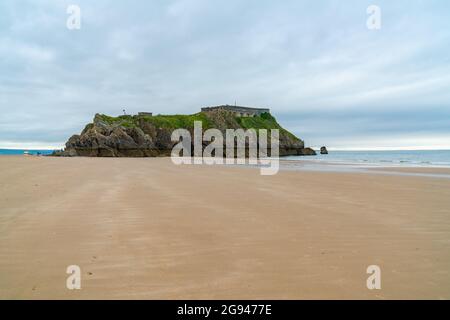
[145, 228]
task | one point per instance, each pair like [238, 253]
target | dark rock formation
[150, 136]
[323, 150]
[308, 152]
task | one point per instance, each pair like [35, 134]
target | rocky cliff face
[150, 136]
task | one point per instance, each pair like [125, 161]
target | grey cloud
[310, 62]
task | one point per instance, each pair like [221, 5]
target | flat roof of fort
[238, 109]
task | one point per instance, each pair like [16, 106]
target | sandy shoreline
[145, 228]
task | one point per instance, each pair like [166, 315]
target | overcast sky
[326, 77]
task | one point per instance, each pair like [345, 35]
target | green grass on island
[176, 121]
[172, 122]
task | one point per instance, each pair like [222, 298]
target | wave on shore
[413, 158]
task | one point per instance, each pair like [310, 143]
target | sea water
[421, 158]
[12, 152]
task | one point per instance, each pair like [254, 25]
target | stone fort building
[238, 111]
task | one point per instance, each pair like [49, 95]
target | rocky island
[145, 135]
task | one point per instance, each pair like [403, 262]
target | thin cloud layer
[328, 79]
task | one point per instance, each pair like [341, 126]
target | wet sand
[147, 229]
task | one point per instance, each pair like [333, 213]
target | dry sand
[145, 228]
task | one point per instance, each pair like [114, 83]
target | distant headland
[148, 135]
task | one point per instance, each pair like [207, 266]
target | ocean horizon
[422, 158]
